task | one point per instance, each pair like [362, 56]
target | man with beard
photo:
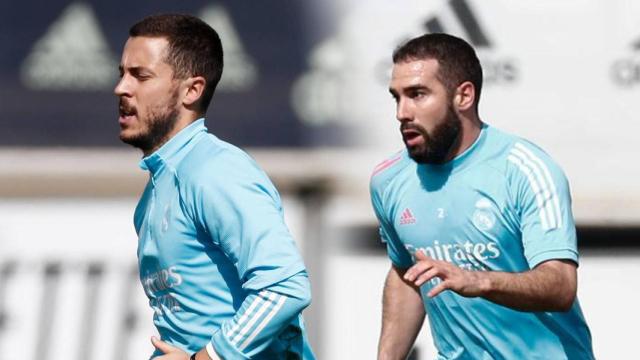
[477, 223]
[220, 268]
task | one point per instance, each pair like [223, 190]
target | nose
[403, 112]
[122, 87]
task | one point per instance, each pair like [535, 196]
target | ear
[465, 96]
[193, 87]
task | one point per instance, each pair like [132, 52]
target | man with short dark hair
[218, 264]
[477, 223]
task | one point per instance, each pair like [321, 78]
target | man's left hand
[463, 282]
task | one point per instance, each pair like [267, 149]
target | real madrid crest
[483, 218]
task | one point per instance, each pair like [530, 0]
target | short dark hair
[457, 60]
[194, 48]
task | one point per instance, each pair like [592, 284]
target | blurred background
[304, 91]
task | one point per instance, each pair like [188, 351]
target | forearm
[549, 287]
[261, 317]
[402, 317]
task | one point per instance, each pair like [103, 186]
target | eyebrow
[408, 88]
[135, 70]
[414, 88]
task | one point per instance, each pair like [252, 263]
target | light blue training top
[502, 205]
[216, 259]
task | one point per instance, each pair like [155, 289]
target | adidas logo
[74, 54]
[471, 26]
[460, 20]
[407, 217]
[240, 69]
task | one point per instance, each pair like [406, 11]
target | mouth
[127, 114]
[411, 137]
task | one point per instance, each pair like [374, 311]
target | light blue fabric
[502, 205]
[212, 243]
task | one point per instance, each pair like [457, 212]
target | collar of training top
[155, 161]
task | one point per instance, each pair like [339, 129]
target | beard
[158, 126]
[437, 144]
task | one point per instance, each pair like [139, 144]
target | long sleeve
[263, 316]
[241, 212]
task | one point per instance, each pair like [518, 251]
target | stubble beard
[159, 124]
[437, 145]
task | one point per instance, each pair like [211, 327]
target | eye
[416, 94]
[141, 75]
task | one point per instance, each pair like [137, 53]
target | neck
[182, 122]
[469, 131]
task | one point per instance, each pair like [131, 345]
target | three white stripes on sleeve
[245, 329]
[541, 183]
